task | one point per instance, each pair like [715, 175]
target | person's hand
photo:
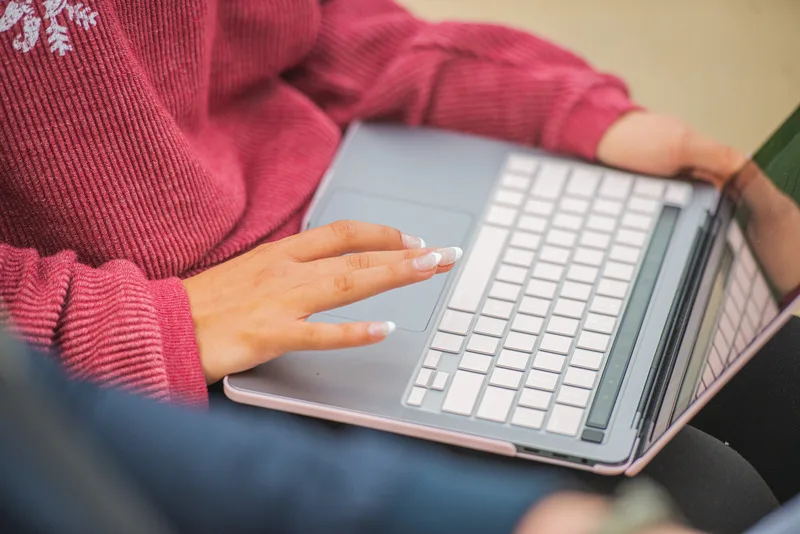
[660, 145]
[253, 308]
[577, 513]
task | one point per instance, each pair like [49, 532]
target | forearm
[109, 324]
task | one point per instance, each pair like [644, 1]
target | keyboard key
[539, 207]
[432, 359]
[595, 239]
[624, 254]
[593, 341]
[760, 294]
[643, 205]
[556, 255]
[556, 343]
[528, 418]
[534, 306]
[505, 291]
[527, 324]
[748, 262]
[456, 322]
[618, 271]
[416, 396]
[563, 326]
[678, 194]
[615, 185]
[565, 420]
[582, 378]
[587, 359]
[548, 361]
[550, 181]
[600, 223]
[519, 164]
[482, 344]
[600, 323]
[478, 269]
[582, 273]
[463, 393]
[515, 256]
[511, 198]
[535, 398]
[574, 205]
[588, 256]
[511, 273]
[475, 362]
[548, 271]
[520, 341]
[515, 181]
[542, 380]
[501, 215]
[525, 240]
[727, 328]
[513, 359]
[637, 222]
[423, 378]
[735, 238]
[498, 308]
[607, 207]
[612, 288]
[439, 381]
[569, 308]
[562, 238]
[576, 291]
[541, 288]
[583, 182]
[532, 223]
[495, 404]
[490, 326]
[573, 396]
[447, 342]
[567, 222]
[633, 238]
[506, 378]
[606, 306]
[649, 187]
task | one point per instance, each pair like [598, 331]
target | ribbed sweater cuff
[591, 117]
[187, 384]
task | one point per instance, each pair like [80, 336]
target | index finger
[344, 237]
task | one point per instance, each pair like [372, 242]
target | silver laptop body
[594, 311]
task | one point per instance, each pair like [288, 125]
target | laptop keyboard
[546, 287]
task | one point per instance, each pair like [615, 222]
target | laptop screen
[752, 274]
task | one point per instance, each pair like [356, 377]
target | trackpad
[409, 307]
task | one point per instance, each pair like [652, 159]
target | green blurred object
[639, 505]
[779, 157]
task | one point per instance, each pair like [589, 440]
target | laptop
[593, 314]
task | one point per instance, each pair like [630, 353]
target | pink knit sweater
[144, 141]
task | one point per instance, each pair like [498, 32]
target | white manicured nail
[428, 261]
[450, 255]
[381, 329]
[410, 241]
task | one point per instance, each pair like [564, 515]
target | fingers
[344, 237]
[325, 336]
[710, 160]
[348, 287]
[369, 260]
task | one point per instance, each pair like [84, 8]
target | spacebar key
[478, 269]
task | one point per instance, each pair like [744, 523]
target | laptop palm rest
[411, 307]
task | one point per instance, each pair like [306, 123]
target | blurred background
[729, 67]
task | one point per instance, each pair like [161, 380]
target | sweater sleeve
[109, 324]
[374, 60]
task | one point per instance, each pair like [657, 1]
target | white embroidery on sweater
[57, 33]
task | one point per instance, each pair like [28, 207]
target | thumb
[708, 159]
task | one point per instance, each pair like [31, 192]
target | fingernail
[410, 241]
[450, 255]
[428, 261]
[381, 329]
